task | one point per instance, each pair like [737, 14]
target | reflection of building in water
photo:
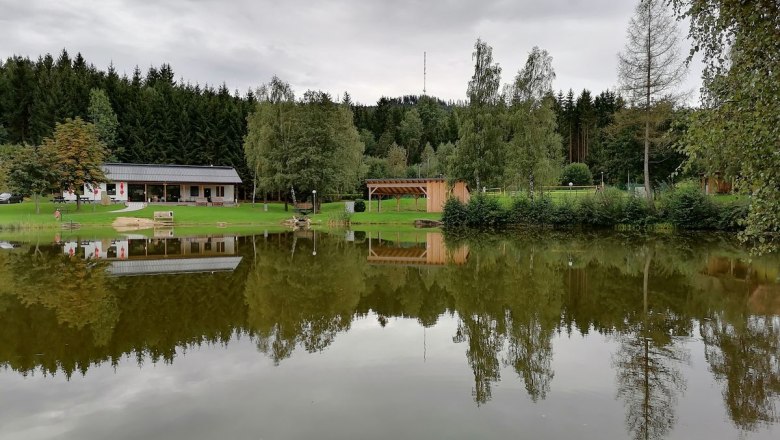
[146, 256]
[758, 281]
[422, 249]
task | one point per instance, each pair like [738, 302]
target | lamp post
[314, 251]
[314, 205]
[602, 180]
[571, 185]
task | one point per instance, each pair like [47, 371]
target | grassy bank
[22, 216]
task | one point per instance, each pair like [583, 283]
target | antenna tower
[425, 70]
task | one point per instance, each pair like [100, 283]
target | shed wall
[438, 192]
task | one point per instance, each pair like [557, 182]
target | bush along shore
[684, 208]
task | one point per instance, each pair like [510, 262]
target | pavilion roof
[398, 187]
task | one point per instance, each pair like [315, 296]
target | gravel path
[132, 206]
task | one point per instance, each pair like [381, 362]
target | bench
[201, 202]
[163, 217]
[303, 208]
[217, 201]
[58, 199]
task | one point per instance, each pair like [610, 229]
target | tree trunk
[37, 205]
[648, 192]
[78, 200]
[648, 85]
[531, 185]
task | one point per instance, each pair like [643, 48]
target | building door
[136, 193]
[207, 193]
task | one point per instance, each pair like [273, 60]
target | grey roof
[174, 265]
[131, 172]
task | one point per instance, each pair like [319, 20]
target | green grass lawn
[245, 217]
[23, 216]
[405, 213]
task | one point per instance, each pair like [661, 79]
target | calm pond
[353, 334]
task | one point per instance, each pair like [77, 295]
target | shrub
[542, 211]
[605, 209]
[519, 211]
[454, 213]
[636, 212]
[690, 208]
[565, 214]
[586, 211]
[576, 173]
[731, 216]
[609, 207]
[360, 205]
[485, 212]
[537, 212]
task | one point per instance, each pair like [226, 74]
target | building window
[220, 191]
[111, 189]
[221, 247]
[194, 191]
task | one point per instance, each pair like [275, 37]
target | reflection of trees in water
[647, 364]
[299, 299]
[485, 342]
[744, 352]
[509, 302]
[64, 314]
[649, 381]
[512, 296]
[75, 290]
[530, 354]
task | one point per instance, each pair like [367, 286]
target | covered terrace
[435, 190]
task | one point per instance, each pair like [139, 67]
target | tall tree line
[582, 120]
[409, 121]
[160, 120]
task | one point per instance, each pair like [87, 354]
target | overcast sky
[371, 48]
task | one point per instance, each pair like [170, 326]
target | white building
[164, 183]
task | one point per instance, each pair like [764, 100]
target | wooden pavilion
[435, 190]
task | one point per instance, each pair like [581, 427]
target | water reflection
[657, 299]
[154, 256]
[428, 249]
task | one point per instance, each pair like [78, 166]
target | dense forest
[165, 120]
[160, 120]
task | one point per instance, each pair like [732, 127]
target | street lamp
[571, 185]
[314, 205]
[602, 180]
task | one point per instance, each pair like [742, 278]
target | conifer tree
[650, 67]
[104, 119]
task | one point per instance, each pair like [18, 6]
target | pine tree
[103, 117]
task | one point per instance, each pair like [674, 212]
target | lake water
[340, 335]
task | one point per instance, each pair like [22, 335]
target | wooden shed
[715, 184]
[435, 190]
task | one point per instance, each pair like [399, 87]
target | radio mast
[425, 71]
